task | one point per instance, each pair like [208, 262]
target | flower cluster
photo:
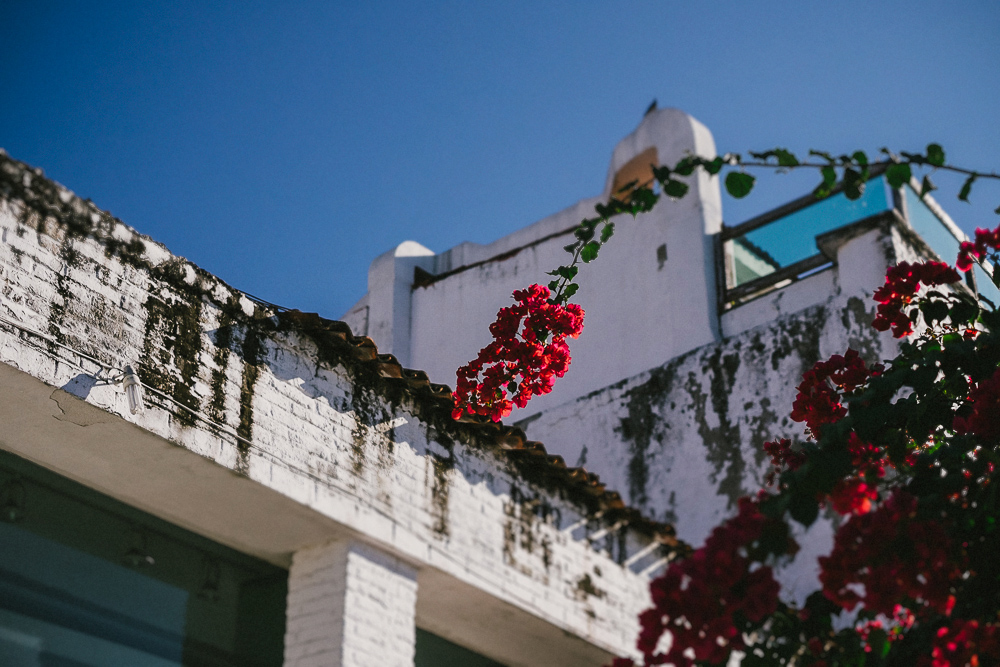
[866, 458]
[705, 600]
[853, 496]
[818, 400]
[982, 417]
[894, 627]
[893, 556]
[966, 643]
[782, 457]
[985, 242]
[902, 282]
[528, 352]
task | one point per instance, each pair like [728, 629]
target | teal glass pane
[792, 238]
[930, 228]
[434, 651]
[88, 581]
[985, 286]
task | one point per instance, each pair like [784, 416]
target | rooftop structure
[288, 492]
[696, 331]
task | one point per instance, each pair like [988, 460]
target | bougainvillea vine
[528, 352]
[906, 454]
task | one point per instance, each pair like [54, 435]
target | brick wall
[255, 393]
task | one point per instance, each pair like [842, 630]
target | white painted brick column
[350, 605]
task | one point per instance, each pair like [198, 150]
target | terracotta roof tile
[510, 440]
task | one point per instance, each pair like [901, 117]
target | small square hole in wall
[661, 256]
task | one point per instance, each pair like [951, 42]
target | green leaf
[786, 158]
[898, 175]
[783, 155]
[607, 232]
[685, 167]
[997, 210]
[803, 508]
[829, 180]
[854, 184]
[569, 291]
[554, 285]
[739, 184]
[714, 166]
[571, 248]
[927, 187]
[963, 194]
[860, 158]
[675, 189]
[935, 155]
[567, 272]
[589, 252]
[584, 233]
[934, 310]
[964, 311]
[643, 200]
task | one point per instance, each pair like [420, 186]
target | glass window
[930, 228]
[792, 238]
[86, 580]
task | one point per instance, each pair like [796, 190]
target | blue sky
[282, 146]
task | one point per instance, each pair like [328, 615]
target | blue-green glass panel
[792, 238]
[930, 228]
[985, 286]
[88, 581]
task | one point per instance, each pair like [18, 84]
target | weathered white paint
[350, 605]
[684, 440]
[506, 566]
[645, 311]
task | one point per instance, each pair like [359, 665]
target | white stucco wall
[645, 311]
[684, 439]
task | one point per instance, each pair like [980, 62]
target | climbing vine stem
[846, 173]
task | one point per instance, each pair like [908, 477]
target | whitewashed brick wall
[350, 605]
[325, 431]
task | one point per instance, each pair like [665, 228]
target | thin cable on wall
[274, 460]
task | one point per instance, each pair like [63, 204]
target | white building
[287, 495]
[696, 332]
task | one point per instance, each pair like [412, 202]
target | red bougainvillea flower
[698, 599]
[894, 627]
[986, 241]
[966, 643]
[866, 458]
[528, 352]
[818, 400]
[782, 457]
[853, 496]
[902, 282]
[982, 419]
[893, 556]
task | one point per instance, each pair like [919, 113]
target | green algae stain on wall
[642, 426]
[220, 358]
[442, 467]
[697, 391]
[252, 354]
[172, 345]
[861, 336]
[723, 443]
